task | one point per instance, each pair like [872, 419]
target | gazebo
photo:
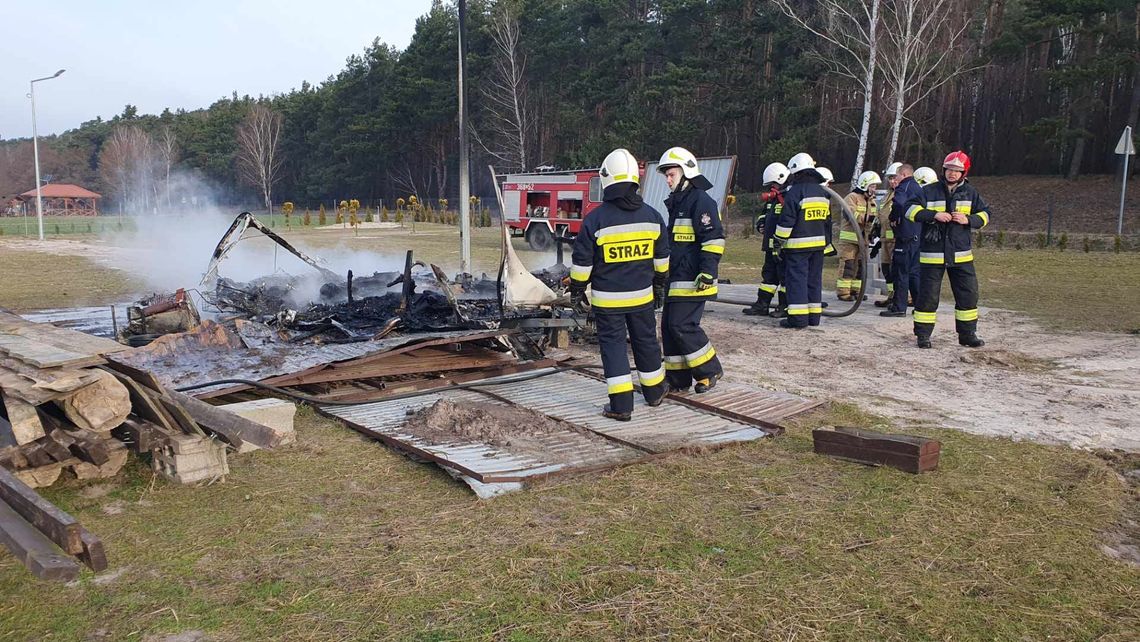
[63, 199]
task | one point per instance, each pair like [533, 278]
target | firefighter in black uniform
[906, 195]
[622, 252]
[802, 234]
[696, 238]
[953, 210]
[772, 274]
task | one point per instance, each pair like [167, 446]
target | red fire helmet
[957, 160]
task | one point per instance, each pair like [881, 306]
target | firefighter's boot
[620, 416]
[704, 385]
[781, 309]
[760, 307]
[924, 342]
[970, 340]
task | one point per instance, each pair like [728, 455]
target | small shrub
[1063, 242]
[1086, 245]
[383, 214]
[368, 218]
[322, 219]
[307, 219]
[486, 218]
[1000, 239]
[1117, 244]
[1042, 240]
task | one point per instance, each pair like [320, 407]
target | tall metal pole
[1124, 181]
[36, 151]
[464, 163]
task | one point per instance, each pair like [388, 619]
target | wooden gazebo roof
[61, 190]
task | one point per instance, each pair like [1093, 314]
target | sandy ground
[1077, 389]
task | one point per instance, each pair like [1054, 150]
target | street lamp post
[36, 150]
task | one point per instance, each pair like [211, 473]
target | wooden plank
[60, 527]
[34, 550]
[71, 340]
[93, 554]
[144, 405]
[233, 428]
[7, 437]
[37, 385]
[26, 426]
[904, 452]
[140, 435]
[185, 421]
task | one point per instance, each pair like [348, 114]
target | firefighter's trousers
[641, 329]
[850, 278]
[771, 280]
[804, 278]
[964, 284]
[689, 354]
[905, 275]
[886, 259]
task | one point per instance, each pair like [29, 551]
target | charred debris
[323, 306]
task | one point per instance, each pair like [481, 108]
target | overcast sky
[176, 53]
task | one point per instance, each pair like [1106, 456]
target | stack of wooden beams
[45, 539]
[57, 408]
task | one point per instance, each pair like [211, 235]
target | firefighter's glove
[660, 283]
[829, 250]
[702, 282]
[578, 297]
[875, 247]
[876, 228]
[760, 223]
[777, 247]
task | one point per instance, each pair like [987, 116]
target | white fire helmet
[775, 173]
[892, 169]
[828, 177]
[800, 162]
[925, 176]
[619, 167]
[866, 180]
[679, 157]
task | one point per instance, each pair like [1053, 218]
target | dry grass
[34, 280]
[338, 538]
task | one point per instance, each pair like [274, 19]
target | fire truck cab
[543, 205]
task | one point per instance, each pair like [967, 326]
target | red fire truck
[543, 205]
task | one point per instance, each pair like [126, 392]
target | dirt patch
[1008, 359]
[510, 428]
[1123, 541]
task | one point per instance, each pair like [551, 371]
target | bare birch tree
[127, 163]
[851, 28]
[167, 148]
[258, 159]
[509, 124]
[924, 49]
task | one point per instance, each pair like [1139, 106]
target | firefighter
[886, 234]
[953, 209]
[862, 203]
[772, 274]
[622, 252]
[802, 234]
[904, 264]
[696, 239]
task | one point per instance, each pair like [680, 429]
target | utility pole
[1126, 149]
[36, 150]
[464, 162]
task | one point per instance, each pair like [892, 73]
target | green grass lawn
[338, 538]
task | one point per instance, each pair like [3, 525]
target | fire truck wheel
[539, 238]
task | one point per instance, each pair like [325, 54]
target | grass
[56, 226]
[1071, 290]
[339, 538]
[34, 280]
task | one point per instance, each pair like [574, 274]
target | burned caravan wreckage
[322, 306]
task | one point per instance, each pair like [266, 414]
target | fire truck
[543, 205]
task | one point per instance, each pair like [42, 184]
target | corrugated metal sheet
[577, 398]
[483, 462]
[719, 170]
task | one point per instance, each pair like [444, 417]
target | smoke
[172, 249]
